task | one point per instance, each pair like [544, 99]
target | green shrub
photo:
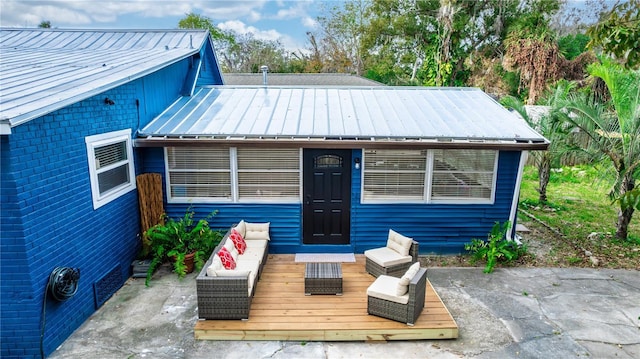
[496, 248]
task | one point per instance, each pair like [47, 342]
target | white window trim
[104, 139]
[233, 165]
[428, 183]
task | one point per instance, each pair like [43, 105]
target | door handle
[308, 201]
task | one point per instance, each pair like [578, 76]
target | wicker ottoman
[323, 278]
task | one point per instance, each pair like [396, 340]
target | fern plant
[178, 238]
[496, 248]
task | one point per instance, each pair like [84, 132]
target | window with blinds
[268, 174]
[199, 173]
[236, 174]
[428, 175]
[463, 174]
[394, 175]
[111, 169]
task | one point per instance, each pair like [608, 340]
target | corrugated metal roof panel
[365, 113]
[42, 70]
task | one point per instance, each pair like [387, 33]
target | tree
[548, 126]
[342, 29]
[613, 128]
[618, 34]
[45, 24]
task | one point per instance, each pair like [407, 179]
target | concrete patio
[512, 313]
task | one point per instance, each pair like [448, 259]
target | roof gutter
[343, 143]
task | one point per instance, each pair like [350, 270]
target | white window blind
[111, 169]
[268, 174]
[428, 175]
[463, 174]
[394, 174]
[199, 172]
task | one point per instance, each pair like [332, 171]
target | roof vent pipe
[264, 69]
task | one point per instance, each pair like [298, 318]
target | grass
[580, 210]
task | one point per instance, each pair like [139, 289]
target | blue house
[71, 103]
[331, 167]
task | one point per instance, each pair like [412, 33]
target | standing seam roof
[357, 113]
[43, 70]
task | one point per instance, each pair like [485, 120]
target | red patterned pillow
[238, 242]
[226, 259]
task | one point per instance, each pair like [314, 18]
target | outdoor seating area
[393, 259]
[280, 310]
[227, 282]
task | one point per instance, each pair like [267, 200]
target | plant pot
[188, 262]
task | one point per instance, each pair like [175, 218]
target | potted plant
[187, 242]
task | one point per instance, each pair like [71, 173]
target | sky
[285, 21]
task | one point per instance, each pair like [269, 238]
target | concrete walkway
[511, 313]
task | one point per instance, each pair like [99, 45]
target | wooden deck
[281, 311]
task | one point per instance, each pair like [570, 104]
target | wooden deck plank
[281, 311]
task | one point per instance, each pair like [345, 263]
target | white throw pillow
[257, 231]
[232, 249]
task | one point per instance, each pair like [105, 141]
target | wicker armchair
[387, 261]
[383, 301]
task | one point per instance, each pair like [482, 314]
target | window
[463, 174]
[111, 169]
[198, 173]
[233, 174]
[394, 174]
[429, 175]
[268, 174]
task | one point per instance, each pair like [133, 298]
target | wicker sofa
[393, 259]
[400, 299]
[227, 293]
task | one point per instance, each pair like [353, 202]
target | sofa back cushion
[241, 228]
[216, 265]
[403, 283]
[256, 231]
[399, 243]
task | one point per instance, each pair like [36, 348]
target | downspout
[516, 196]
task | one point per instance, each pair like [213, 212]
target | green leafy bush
[177, 238]
[496, 248]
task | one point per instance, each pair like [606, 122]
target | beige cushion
[257, 243]
[257, 231]
[386, 257]
[253, 253]
[399, 243]
[241, 228]
[243, 268]
[384, 287]
[216, 264]
[403, 283]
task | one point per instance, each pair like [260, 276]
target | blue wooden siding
[440, 228]
[209, 71]
[47, 213]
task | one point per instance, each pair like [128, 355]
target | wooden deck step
[281, 311]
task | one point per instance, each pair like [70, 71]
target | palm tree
[548, 127]
[613, 129]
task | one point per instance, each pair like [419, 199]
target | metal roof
[448, 117]
[288, 79]
[42, 70]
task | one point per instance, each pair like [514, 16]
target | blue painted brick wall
[47, 212]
